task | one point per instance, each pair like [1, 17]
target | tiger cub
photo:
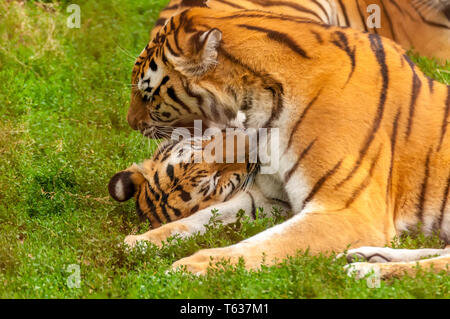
[178, 196]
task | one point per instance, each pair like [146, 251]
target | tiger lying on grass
[364, 149]
[170, 188]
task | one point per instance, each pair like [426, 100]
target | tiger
[355, 174]
[423, 25]
[178, 195]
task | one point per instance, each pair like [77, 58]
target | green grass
[63, 100]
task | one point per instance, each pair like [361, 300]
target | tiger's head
[185, 74]
[171, 185]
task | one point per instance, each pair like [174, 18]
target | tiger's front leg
[248, 201]
[320, 232]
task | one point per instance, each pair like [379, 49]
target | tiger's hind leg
[387, 262]
[248, 201]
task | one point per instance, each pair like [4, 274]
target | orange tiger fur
[420, 24]
[364, 146]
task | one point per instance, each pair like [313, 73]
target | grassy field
[63, 100]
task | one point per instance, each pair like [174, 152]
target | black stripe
[172, 24]
[305, 152]
[176, 40]
[397, 6]
[253, 205]
[185, 196]
[138, 206]
[415, 90]
[342, 43]
[300, 120]
[160, 22]
[279, 37]
[165, 213]
[236, 61]
[267, 15]
[358, 191]
[318, 37]
[151, 205]
[168, 46]
[277, 103]
[393, 145]
[172, 107]
[164, 197]
[247, 101]
[213, 105]
[170, 172]
[156, 195]
[166, 147]
[320, 183]
[194, 3]
[233, 187]
[430, 23]
[295, 6]
[423, 191]
[376, 45]
[323, 10]
[238, 178]
[344, 11]
[445, 121]
[198, 97]
[158, 89]
[362, 16]
[175, 98]
[194, 209]
[444, 203]
[430, 84]
[176, 211]
[231, 4]
[394, 37]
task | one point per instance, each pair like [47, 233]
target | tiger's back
[421, 24]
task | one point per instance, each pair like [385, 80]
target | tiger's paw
[133, 240]
[196, 265]
[199, 263]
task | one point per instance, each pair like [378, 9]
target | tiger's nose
[132, 121]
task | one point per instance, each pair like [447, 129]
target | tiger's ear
[124, 185]
[203, 53]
